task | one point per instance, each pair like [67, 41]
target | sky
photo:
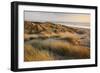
[57, 17]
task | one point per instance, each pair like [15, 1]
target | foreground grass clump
[70, 50]
[34, 54]
[64, 49]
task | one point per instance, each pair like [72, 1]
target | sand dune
[49, 41]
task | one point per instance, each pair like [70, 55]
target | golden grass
[34, 54]
[42, 51]
[69, 49]
[72, 40]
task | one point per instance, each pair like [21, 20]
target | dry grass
[69, 49]
[72, 40]
[65, 49]
[34, 54]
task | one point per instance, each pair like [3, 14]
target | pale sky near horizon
[56, 17]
